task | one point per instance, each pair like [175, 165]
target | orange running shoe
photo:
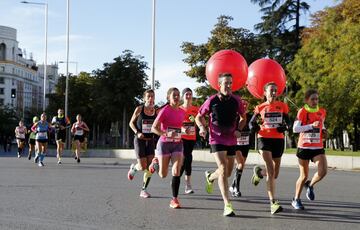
[174, 203]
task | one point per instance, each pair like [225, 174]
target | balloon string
[286, 98]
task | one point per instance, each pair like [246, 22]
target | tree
[119, 87]
[9, 121]
[280, 29]
[329, 61]
[223, 36]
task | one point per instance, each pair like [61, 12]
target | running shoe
[309, 191]
[154, 166]
[131, 172]
[36, 159]
[275, 207]
[19, 155]
[144, 194]
[234, 192]
[59, 162]
[255, 180]
[209, 187]
[174, 203]
[228, 210]
[188, 189]
[296, 203]
[41, 164]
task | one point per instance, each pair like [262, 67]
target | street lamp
[153, 46]
[73, 62]
[46, 38]
[67, 68]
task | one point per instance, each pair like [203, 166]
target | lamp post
[46, 38]
[67, 68]
[73, 62]
[153, 46]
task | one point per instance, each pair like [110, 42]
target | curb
[290, 160]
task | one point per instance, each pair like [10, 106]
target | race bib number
[312, 136]
[190, 126]
[176, 138]
[146, 125]
[79, 132]
[272, 119]
[244, 138]
[42, 135]
[21, 135]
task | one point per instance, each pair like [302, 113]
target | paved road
[96, 194]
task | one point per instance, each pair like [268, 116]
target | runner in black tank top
[144, 146]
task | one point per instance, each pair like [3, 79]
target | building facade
[21, 79]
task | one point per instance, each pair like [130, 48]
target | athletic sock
[238, 174]
[137, 167]
[175, 184]
[146, 179]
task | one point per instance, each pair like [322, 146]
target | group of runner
[229, 138]
[39, 136]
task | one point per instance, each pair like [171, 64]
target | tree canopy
[329, 60]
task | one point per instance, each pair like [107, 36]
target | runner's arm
[133, 120]
[253, 125]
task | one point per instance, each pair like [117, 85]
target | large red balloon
[227, 61]
[263, 71]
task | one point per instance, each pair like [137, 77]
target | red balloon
[263, 71]
[227, 61]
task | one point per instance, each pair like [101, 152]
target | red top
[189, 122]
[271, 117]
[312, 138]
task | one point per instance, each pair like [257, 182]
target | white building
[20, 73]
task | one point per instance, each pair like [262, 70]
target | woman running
[168, 125]
[274, 119]
[310, 124]
[144, 145]
[20, 132]
[32, 142]
[188, 140]
[78, 129]
[242, 150]
[41, 128]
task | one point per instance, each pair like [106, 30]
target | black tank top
[144, 123]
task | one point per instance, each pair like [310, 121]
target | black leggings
[188, 148]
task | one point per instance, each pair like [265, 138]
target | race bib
[190, 126]
[176, 138]
[42, 135]
[312, 136]
[244, 138]
[272, 119]
[79, 132]
[146, 125]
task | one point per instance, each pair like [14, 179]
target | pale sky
[101, 30]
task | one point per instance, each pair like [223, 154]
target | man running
[60, 123]
[223, 109]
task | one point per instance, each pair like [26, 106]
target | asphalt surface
[96, 194]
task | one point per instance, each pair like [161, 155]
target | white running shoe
[188, 189]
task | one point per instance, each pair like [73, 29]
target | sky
[102, 30]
